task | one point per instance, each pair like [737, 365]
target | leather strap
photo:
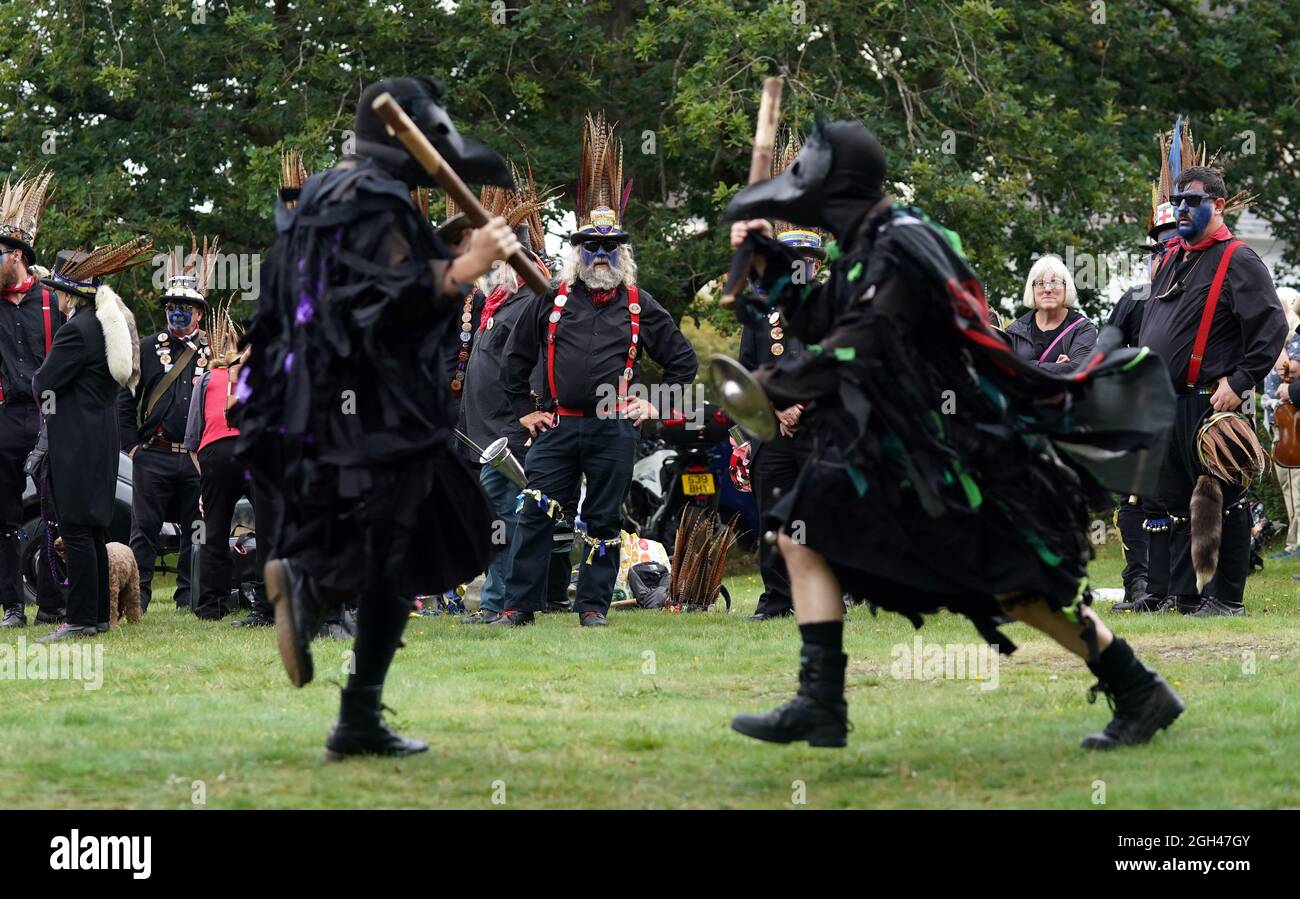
[1207, 315]
[168, 379]
[1051, 346]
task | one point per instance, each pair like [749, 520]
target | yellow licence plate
[697, 484]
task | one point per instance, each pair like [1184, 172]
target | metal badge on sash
[777, 349]
[165, 359]
[774, 318]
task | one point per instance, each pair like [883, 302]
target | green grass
[564, 717]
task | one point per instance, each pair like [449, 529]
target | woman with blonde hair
[1054, 335]
[209, 438]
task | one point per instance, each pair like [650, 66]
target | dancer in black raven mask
[345, 403]
[945, 472]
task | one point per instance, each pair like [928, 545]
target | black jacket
[487, 411]
[1127, 314]
[171, 413]
[1077, 344]
[591, 348]
[758, 346]
[80, 420]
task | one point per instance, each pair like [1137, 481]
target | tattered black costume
[346, 415]
[947, 471]
[348, 385]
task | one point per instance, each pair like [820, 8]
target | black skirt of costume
[346, 405]
[945, 472]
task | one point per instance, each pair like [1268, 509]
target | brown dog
[123, 581]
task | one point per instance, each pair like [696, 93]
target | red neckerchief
[1218, 236]
[602, 298]
[15, 294]
[494, 301]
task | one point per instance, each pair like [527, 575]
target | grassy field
[636, 716]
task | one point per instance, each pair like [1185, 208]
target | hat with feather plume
[293, 175]
[602, 193]
[810, 241]
[22, 203]
[190, 275]
[79, 274]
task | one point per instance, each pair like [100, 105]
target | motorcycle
[679, 464]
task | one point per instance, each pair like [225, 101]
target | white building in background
[1257, 234]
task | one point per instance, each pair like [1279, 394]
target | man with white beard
[592, 329]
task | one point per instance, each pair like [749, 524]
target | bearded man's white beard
[601, 277]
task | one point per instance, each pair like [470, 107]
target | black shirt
[1043, 339]
[1248, 328]
[158, 353]
[1127, 314]
[22, 341]
[487, 410]
[591, 347]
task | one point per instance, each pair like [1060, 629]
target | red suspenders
[553, 324]
[1207, 315]
[49, 334]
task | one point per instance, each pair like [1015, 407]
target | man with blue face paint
[589, 335]
[152, 421]
[1142, 521]
[1215, 320]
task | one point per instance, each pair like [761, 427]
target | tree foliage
[1025, 127]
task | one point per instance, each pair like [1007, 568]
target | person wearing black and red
[29, 320]
[94, 356]
[210, 440]
[592, 330]
[1215, 319]
[774, 464]
[152, 421]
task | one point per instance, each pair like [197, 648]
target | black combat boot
[361, 730]
[818, 712]
[1141, 700]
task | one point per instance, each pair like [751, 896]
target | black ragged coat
[77, 390]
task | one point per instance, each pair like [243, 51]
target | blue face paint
[180, 319]
[589, 258]
[1199, 218]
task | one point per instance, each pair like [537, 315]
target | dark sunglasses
[1192, 200]
[592, 246]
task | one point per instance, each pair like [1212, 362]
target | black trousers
[19, 423]
[85, 551]
[1177, 479]
[603, 450]
[1157, 549]
[1135, 540]
[165, 487]
[222, 483]
[772, 473]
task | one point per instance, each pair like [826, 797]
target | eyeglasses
[593, 246]
[178, 307]
[1053, 284]
[1192, 200]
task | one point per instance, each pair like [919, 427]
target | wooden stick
[401, 126]
[760, 159]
